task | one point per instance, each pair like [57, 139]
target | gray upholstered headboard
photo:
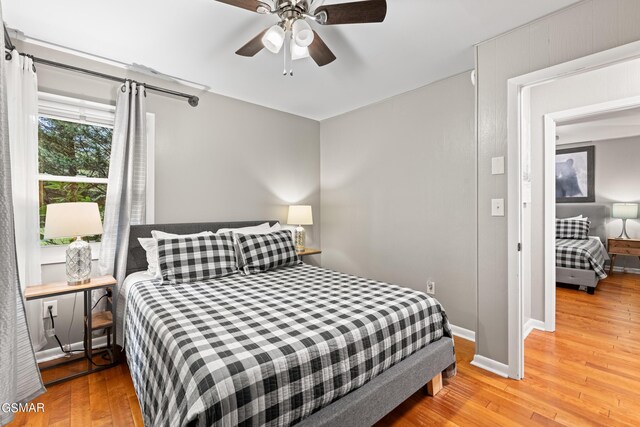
[597, 215]
[137, 258]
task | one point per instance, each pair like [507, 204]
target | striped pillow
[190, 259]
[577, 229]
[264, 252]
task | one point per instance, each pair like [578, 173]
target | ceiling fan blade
[320, 52]
[253, 46]
[358, 12]
[251, 5]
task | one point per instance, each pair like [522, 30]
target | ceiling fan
[294, 33]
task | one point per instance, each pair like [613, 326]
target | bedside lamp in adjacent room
[625, 211]
[74, 220]
[300, 215]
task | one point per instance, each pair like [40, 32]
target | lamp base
[300, 239]
[78, 262]
[79, 282]
[623, 234]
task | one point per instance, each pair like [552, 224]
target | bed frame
[363, 406]
[597, 215]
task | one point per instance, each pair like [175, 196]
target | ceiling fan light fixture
[298, 52]
[273, 39]
[302, 33]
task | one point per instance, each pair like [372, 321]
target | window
[74, 148]
[73, 165]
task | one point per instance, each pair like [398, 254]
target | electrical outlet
[431, 287]
[54, 308]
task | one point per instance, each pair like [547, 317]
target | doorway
[531, 175]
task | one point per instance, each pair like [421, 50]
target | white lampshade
[273, 39]
[302, 33]
[298, 52]
[625, 210]
[300, 215]
[72, 220]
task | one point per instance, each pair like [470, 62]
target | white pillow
[246, 230]
[150, 245]
[579, 217]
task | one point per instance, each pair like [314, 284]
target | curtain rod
[192, 99]
[8, 44]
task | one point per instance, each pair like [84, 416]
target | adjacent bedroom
[319, 213]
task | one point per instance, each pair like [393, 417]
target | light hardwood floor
[587, 373]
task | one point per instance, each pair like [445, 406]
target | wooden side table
[615, 247]
[309, 251]
[92, 322]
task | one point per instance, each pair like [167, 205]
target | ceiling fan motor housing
[290, 11]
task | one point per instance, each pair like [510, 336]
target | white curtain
[20, 379]
[126, 191]
[22, 99]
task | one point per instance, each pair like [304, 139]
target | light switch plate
[497, 166]
[497, 207]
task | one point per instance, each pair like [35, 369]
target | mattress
[267, 349]
[587, 254]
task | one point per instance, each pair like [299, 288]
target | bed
[299, 344]
[582, 262]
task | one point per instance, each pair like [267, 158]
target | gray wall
[588, 27]
[617, 180]
[399, 193]
[224, 160]
[602, 85]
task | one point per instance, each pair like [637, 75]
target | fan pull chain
[288, 62]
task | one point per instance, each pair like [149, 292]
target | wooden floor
[587, 373]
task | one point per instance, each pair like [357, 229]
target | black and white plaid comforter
[587, 254]
[270, 348]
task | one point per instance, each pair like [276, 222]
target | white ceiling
[614, 125]
[420, 42]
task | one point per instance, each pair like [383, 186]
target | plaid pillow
[189, 259]
[577, 229]
[263, 252]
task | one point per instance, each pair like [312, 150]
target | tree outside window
[73, 163]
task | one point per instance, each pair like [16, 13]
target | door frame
[518, 134]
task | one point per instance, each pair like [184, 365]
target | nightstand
[92, 322]
[309, 251]
[615, 247]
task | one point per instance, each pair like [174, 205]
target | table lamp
[74, 220]
[300, 215]
[625, 211]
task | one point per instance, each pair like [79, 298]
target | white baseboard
[490, 365]
[466, 334]
[56, 353]
[532, 324]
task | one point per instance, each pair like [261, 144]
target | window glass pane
[73, 149]
[60, 192]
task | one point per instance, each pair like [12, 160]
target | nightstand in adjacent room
[615, 247]
[92, 322]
